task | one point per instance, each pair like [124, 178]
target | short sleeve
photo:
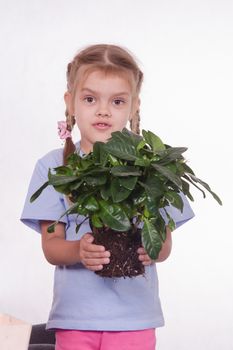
[49, 205]
[179, 217]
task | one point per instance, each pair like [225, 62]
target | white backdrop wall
[185, 49]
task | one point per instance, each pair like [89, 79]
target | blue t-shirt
[83, 300]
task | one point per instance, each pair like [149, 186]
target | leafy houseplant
[121, 186]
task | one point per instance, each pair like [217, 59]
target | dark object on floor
[41, 339]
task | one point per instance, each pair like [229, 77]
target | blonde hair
[110, 59]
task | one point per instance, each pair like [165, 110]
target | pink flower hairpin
[63, 132]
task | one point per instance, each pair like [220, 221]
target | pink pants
[95, 340]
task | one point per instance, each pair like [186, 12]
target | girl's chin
[103, 137]
[100, 137]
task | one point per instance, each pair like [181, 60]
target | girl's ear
[69, 104]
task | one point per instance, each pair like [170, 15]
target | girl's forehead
[100, 80]
[93, 74]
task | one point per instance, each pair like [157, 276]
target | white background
[185, 49]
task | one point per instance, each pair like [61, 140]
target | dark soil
[123, 247]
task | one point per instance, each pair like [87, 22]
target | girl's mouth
[101, 126]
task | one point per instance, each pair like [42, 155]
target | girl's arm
[58, 251]
[164, 252]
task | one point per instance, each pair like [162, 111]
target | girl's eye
[89, 99]
[118, 102]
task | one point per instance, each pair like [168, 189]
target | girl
[90, 312]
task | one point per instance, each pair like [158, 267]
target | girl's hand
[144, 257]
[92, 256]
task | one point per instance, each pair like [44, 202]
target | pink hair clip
[63, 132]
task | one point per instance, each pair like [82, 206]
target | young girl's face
[102, 104]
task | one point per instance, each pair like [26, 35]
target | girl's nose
[102, 109]
[103, 114]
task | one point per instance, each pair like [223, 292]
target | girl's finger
[96, 262]
[144, 257]
[147, 263]
[94, 248]
[141, 250]
[90, 247]
[88, 237]
[95, 267]
[93, 255]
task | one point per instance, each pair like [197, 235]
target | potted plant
[120, 187]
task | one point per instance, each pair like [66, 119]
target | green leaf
[73, 160]
[206, 186]
[126, 136]
[51, 228]
[100, 153]
[85, 163]
[91, 204]
[171, 154]
[96, 181]
[168, 174]
[38, 192]
[71, 210]
[96, 222]
[83, 196]
[128, 209]
[187, 169]
[151, 205]
[64, 189]
[79, 225]
[139, 198]
[154, 141]
[185, 190]
[114, 216]
[141, 144]
[75, 185]
[160, 225]
[121, 150]
[105, 192]
[195, 185]
[56, 180]
[128, 182]
[153, 185]
[81, 210]
[120, 136]
[151, 239]
[171, 222]
[118, 192]
[94, 170]
[143, 162]
[125, 170]
[63, 170]
[175, 199]
[113, 160]
[135, 139]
